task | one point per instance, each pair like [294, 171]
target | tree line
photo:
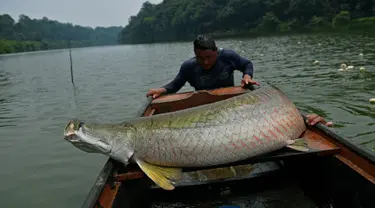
[42, 34]
[173, 20]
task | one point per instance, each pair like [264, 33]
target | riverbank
[361, 26]
[13, 46]
[271, 26]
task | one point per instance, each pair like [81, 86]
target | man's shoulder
[228, 53]
[192, 62]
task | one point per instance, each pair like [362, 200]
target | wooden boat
[335, 174]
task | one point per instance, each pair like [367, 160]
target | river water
[40, 169]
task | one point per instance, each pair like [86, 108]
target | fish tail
[160, 175]
[298, 145]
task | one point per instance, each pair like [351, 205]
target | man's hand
[312, 119]
[247, 80]
[156, 92]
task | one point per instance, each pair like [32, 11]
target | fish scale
[237, 128]
[260, 131]
[234, 129]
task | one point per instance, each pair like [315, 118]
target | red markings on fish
[244, 144]
[234, 145]
[272, 133]
[277, 129]
[287, 123]
[265, 136]
[172, 148]
[291, 121]
[257, 138]
[251, 141]
[276, 123]
[280, 124]
[253, 144]
[225, 147]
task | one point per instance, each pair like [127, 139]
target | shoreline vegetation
[171, 21]
[29, 35]
[176, 21]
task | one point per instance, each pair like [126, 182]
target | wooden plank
[193, 94]
[98, 187]
[129, 176]
[108, 196]
[356, 158]
[368, 174]
[181, 101]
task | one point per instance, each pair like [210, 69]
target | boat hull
[334, 173]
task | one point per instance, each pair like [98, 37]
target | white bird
[343, 67]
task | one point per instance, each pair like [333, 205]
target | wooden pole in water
[71, 63]
[71, 74]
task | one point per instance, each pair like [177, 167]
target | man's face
[206, 58]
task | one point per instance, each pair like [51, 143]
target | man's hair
[204, 42]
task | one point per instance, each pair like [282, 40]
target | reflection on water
[37, 99]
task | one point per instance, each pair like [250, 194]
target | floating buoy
[361, 68]
[316, 62]
[372, 100]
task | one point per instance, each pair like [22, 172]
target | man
[209, 69]
[212, 68]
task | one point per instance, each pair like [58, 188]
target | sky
[80, 12]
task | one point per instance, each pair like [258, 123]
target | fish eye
[80, 125]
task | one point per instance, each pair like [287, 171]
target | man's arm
[178, 82]
[175, 85]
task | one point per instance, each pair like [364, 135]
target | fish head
[78, 134]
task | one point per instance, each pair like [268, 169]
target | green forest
[43, 34]
[177, 20]
[174, 20]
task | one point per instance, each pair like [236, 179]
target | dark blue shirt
[220, 75]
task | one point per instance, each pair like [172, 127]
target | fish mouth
[72, 138]
[71, 129]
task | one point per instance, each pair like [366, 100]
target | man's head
[205, 51]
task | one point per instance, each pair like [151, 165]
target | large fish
[244, 126]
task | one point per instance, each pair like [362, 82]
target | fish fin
[298, 145]
[160, 175]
